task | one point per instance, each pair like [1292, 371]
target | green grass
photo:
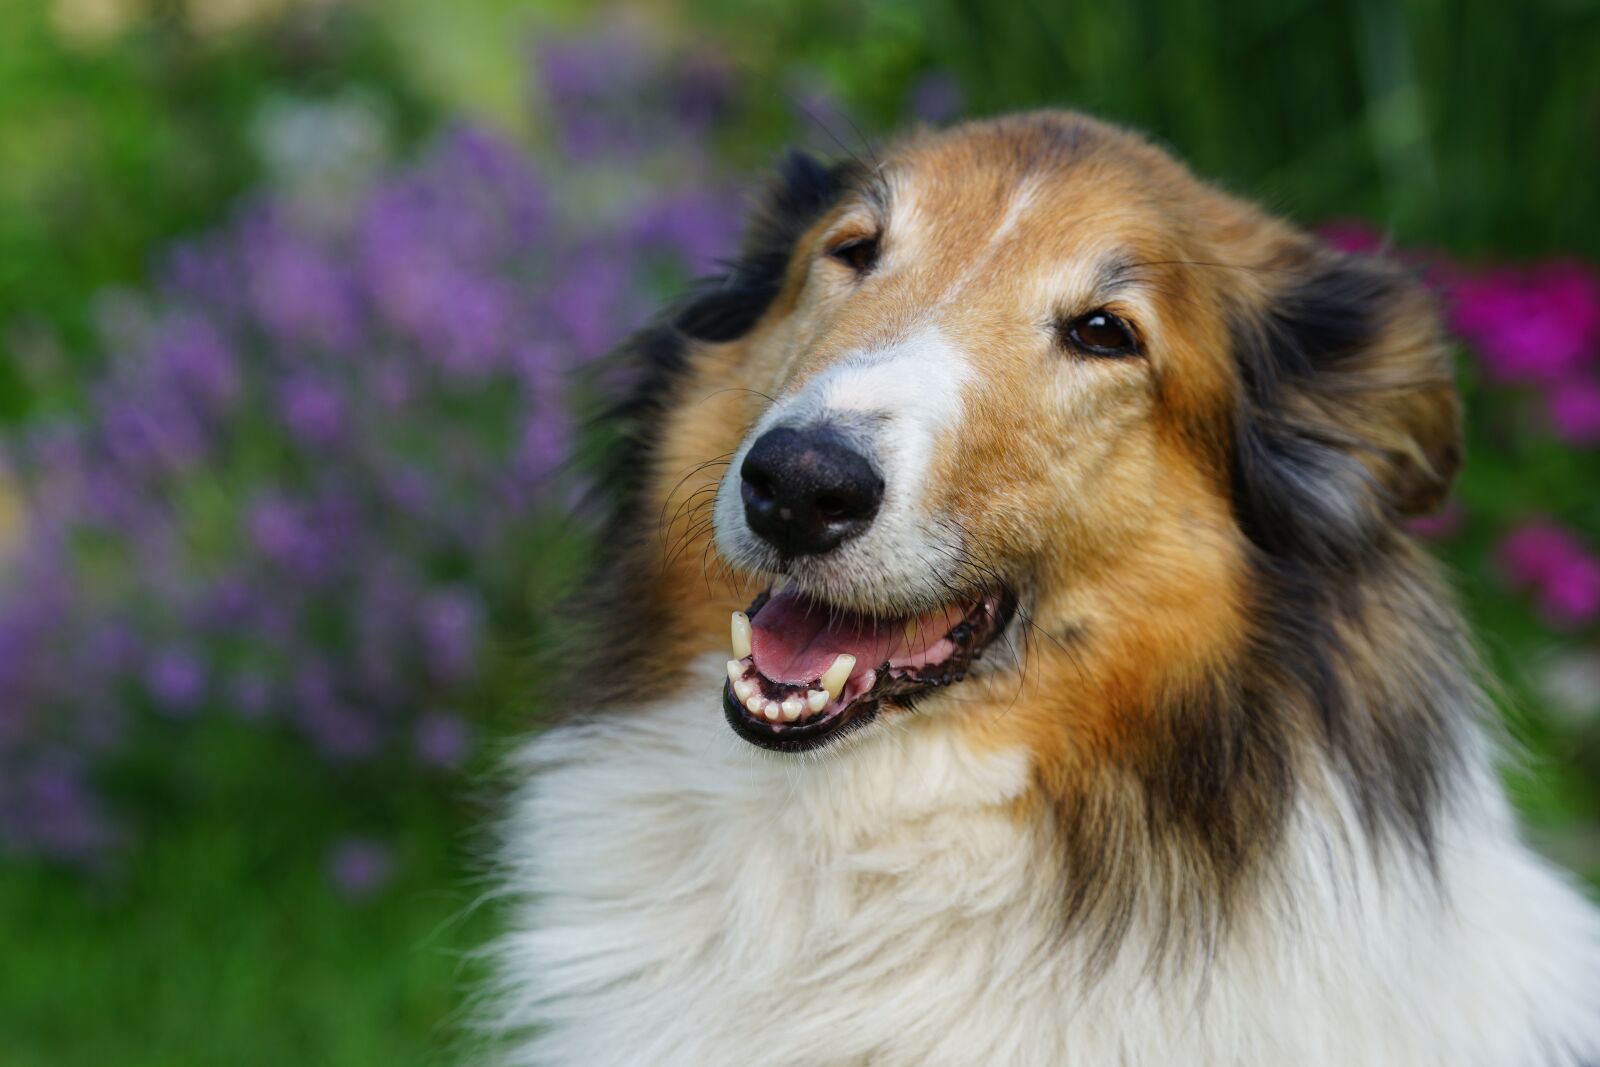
[221, 940]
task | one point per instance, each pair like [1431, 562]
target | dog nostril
[834, 509]
[757, 486]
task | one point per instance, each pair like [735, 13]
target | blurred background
[295, 301]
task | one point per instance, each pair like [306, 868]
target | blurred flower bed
[324, 460]
[322, 471]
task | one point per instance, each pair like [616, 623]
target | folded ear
[1348, 417]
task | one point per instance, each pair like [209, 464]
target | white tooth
[912, 631]
[742, 689]
[817, 699]
[735, 670]
[755, 703]
[792, 707]
[834, 677]
[773, 711]
[741, 635]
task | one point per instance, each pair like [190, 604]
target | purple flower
[110, 648]
[442, 739]
[589, 68]
[450, 622]
[587, 302]
[541, 442]
[337, 731]
[695, 226]
[936, 97]
[293, 535]
[193, 355]
[249, 694]
[148, 435]
[49, 809]
[700, 93]
[320, 442]
[360, 867]
[312, 410]
[225, 602]
[300, 294]
[594, 88]
[176, 680]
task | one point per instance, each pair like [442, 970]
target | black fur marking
[650, 367]
[1173, 836]
[725, 308]
[1299, 489]
[1346, 613]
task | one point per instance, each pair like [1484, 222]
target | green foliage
[1460, 123]
[223, 943]
[108, 149]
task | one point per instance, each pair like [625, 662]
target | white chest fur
[686, 899]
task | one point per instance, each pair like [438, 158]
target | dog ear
[726, 307]
[1348, 418]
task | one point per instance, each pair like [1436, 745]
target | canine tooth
[792, 707]
[741, 635]
[743, 689]
[773, 711]
[735, 670]
[755, 703]
[816, 699]
[835, 676]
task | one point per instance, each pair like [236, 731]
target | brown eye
[860, 254]
[1100, 333]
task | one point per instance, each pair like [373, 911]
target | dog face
[987, 341]
[1030, 381]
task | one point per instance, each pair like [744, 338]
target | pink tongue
[795, 639]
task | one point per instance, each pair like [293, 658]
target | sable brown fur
[1243, 611]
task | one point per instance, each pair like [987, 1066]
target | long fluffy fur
[1300, 855]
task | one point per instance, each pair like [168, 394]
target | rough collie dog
[1085, 700]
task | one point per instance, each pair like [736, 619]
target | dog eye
[860, 254]
[1100, 333]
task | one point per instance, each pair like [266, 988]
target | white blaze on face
[910, 394]
[895, 404]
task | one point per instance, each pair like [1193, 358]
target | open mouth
[805, 671]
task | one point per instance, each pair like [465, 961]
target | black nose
[806, 491]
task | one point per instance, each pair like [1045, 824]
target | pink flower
[1526, 554]
[1444, 523]
[1540, 324]
[1563, 574]
[1571, 595]
[442, 740]
[1353, 235]
[1574, 407]
[360, 867]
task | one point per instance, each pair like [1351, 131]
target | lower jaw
[890, 687]
[796, 737]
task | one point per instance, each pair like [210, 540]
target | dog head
[1030, 383]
